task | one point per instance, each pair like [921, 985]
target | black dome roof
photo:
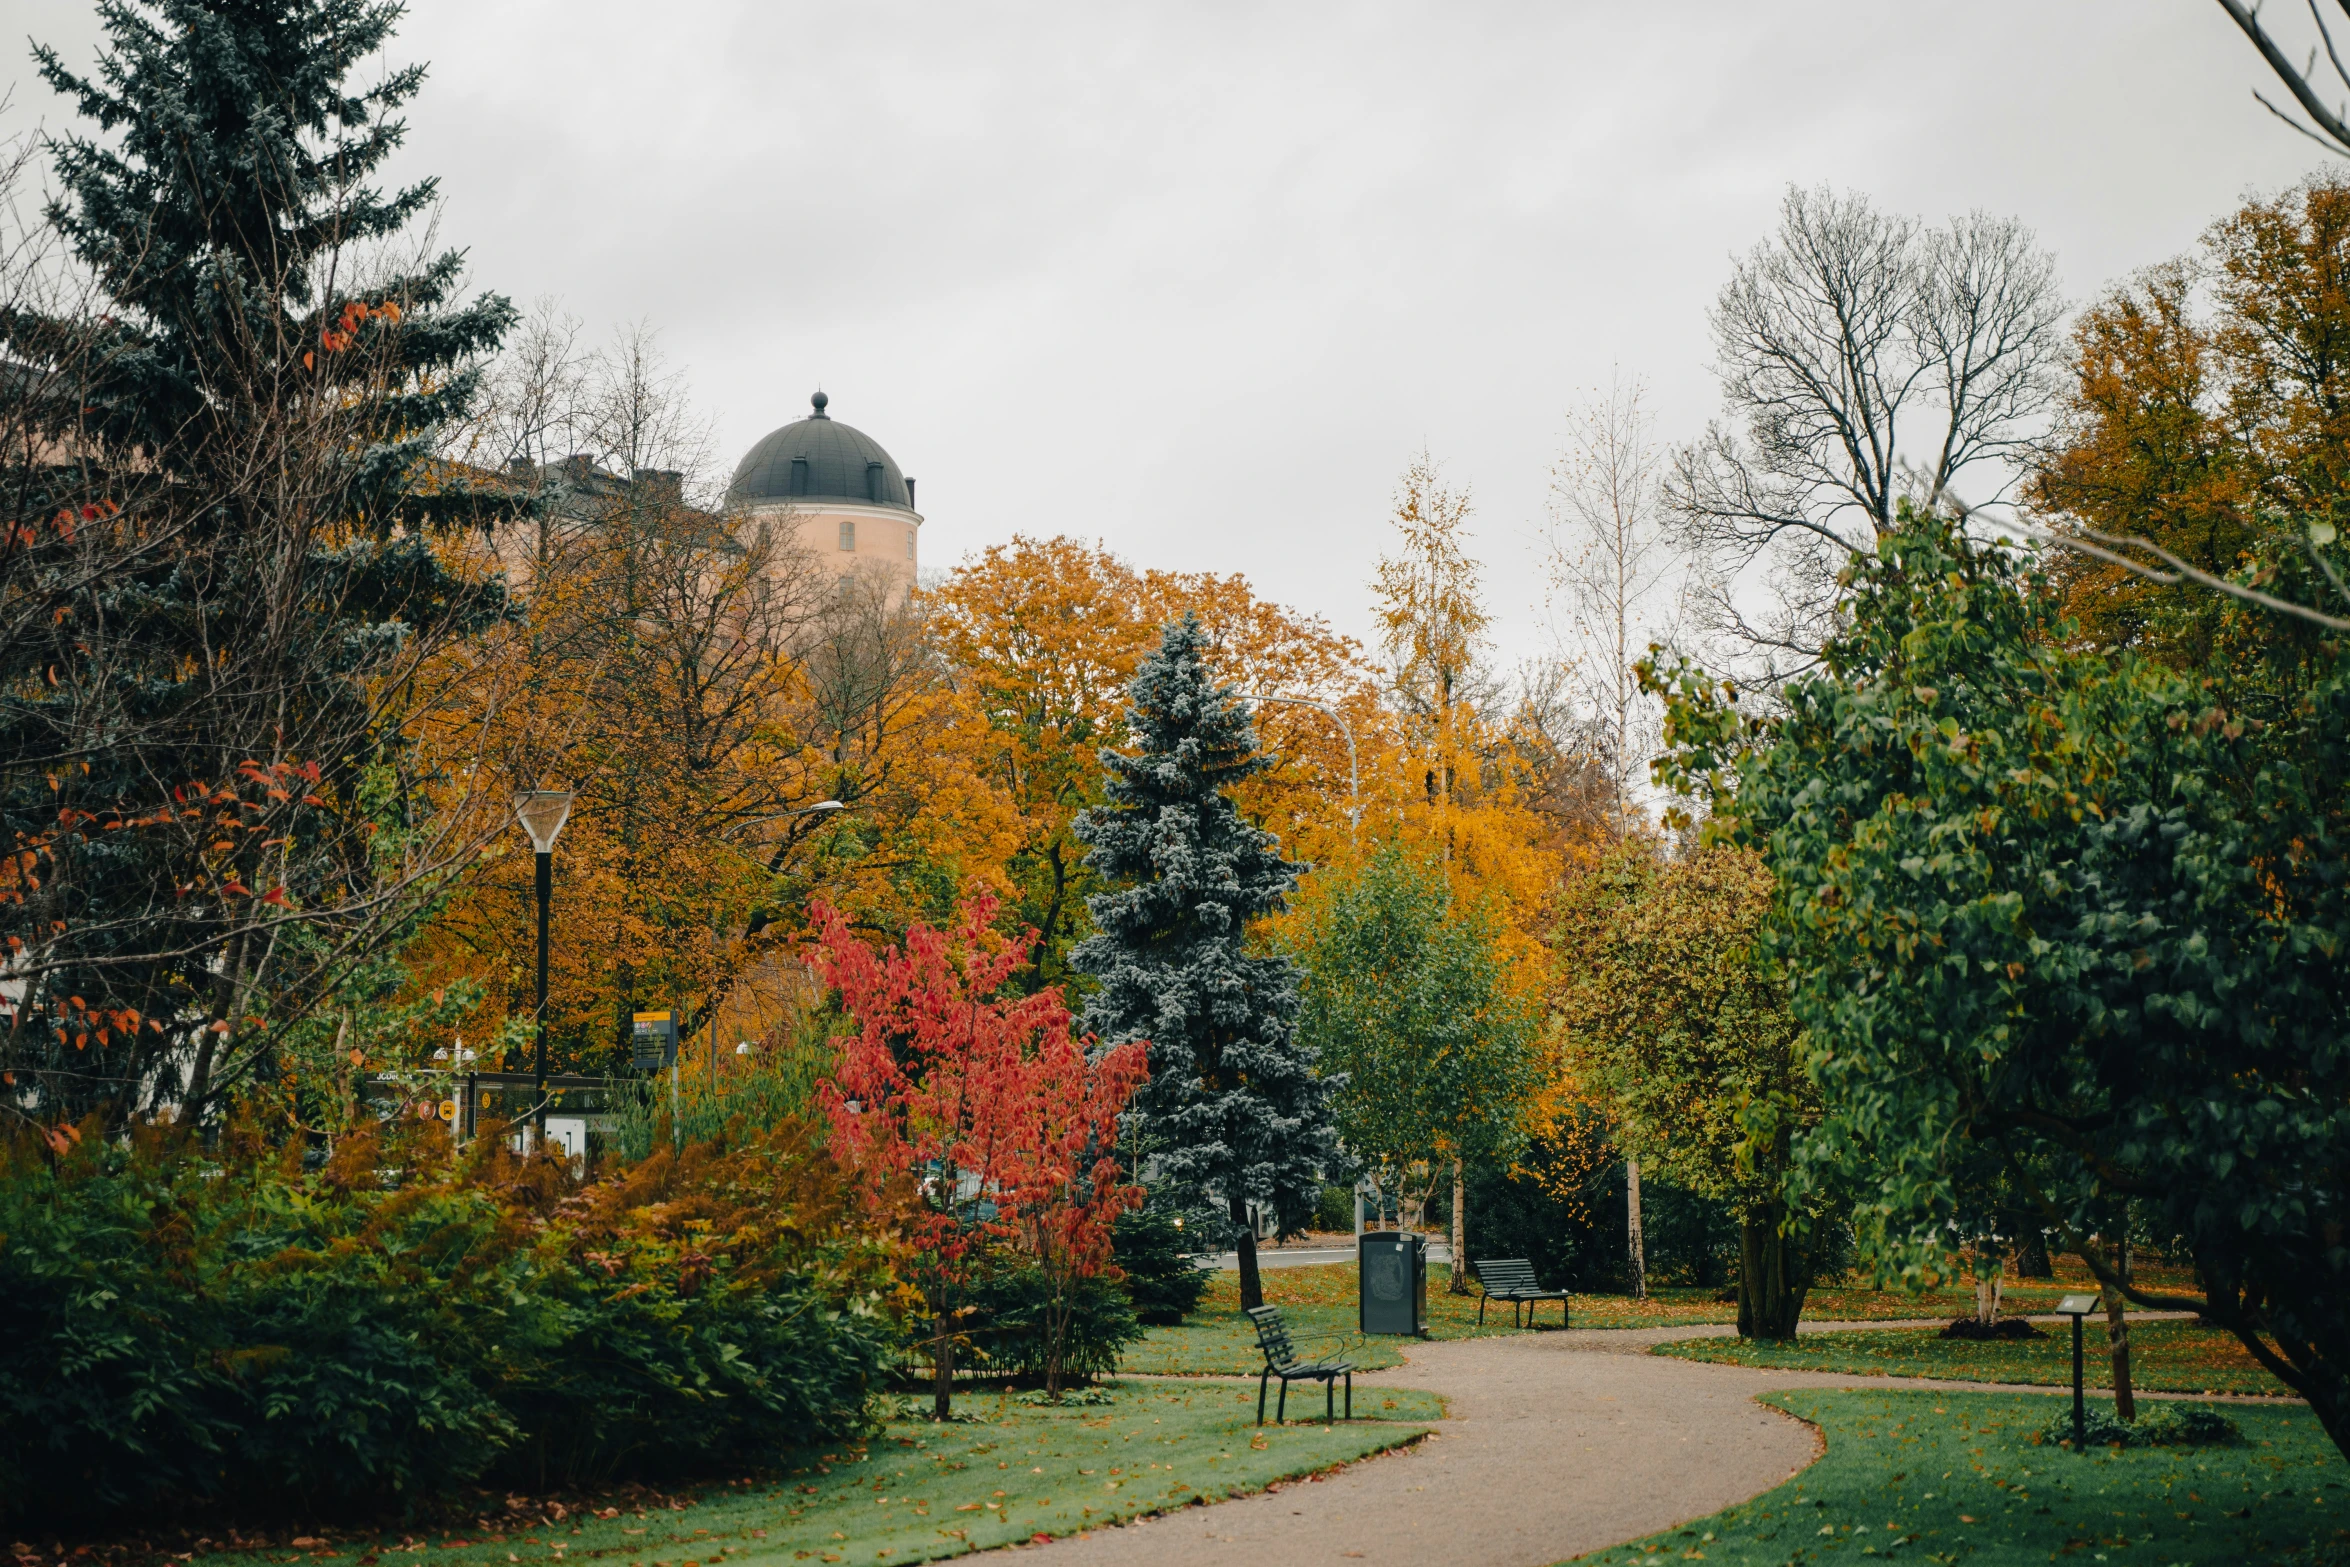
[819, 458]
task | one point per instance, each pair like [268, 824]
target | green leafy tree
[1409, 1009]
[1678, 1019]
[223, 586]
[2062, 912]
[1233, 1109]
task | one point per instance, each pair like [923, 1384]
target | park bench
[1512, 1279]
[1282, 1360]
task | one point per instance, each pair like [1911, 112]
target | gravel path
[1557, 1444]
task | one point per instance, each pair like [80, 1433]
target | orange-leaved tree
[974, 1114]
[2210, 415]
[1043, 637]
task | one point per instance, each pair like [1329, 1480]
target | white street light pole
[1354, 790]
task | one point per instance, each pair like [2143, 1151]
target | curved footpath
[1556, 1444]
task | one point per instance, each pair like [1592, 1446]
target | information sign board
[654, 1041]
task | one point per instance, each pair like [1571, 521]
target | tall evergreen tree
[219, 577]
[1233, 1111]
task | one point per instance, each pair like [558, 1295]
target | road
[1308, 1256]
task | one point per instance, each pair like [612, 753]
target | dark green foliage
[1334, 1210]
[2160, 1423]
[1515, 1216]
[222, 572]
[1162, 1280]
[1233, 1111]
[1408, 1008]
[184, 1331]
[1009, 1332]
[1577, 1239]
[2058, 916]
[179, 1331]
[1687, 1237]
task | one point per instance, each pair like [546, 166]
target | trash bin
[1392, 1288]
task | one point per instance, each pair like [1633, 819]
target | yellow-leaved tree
[1464, 778]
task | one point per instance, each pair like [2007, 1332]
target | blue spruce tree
[1233, 1111]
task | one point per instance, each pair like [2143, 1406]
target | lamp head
[542, 813]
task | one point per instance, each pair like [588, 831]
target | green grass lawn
[919, 1491]
[2167, 1357]
[1951, 1477]
[1320, 1303]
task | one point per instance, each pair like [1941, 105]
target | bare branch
[2337, 131]
[2108, 547]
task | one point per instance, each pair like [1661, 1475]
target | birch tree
[1611, 568]
[1433, 625]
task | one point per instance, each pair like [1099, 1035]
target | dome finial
[817, 402]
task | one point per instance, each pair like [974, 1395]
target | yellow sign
[449, 1110]
[652, 1017]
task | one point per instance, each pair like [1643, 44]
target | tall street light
[542, 813]
[1354, 791]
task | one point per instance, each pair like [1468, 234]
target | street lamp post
[542, 813]
[2077, 1307]
[1354, 790]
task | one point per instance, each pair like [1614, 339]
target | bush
[706, 1307]
[1162, 1281]
[1334, 1212]
[182, 1329]
[2004, 1328]
[2159, 1424]
[1553, 1210]
[772, 1087]
[1008, 1326]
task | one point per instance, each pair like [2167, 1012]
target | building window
[799, 476]
[848, 534]
[873, 483]
[909, 544]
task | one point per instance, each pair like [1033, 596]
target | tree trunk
[2117, 1334]
[1990, 1280]
[1056, 1342]
[2031, 1252]
[1633, 1232]
[942, 1358]
[1770, 1295]
[1460, 1232]
[1252, 1288]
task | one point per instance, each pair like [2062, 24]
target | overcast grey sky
[1197, 280]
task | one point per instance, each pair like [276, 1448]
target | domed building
[843, 496]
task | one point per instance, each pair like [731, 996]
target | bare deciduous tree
[1612, 568]
[1611, 562]
[1860, 353]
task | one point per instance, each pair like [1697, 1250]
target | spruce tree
[221, 573]
[1233, 1111]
